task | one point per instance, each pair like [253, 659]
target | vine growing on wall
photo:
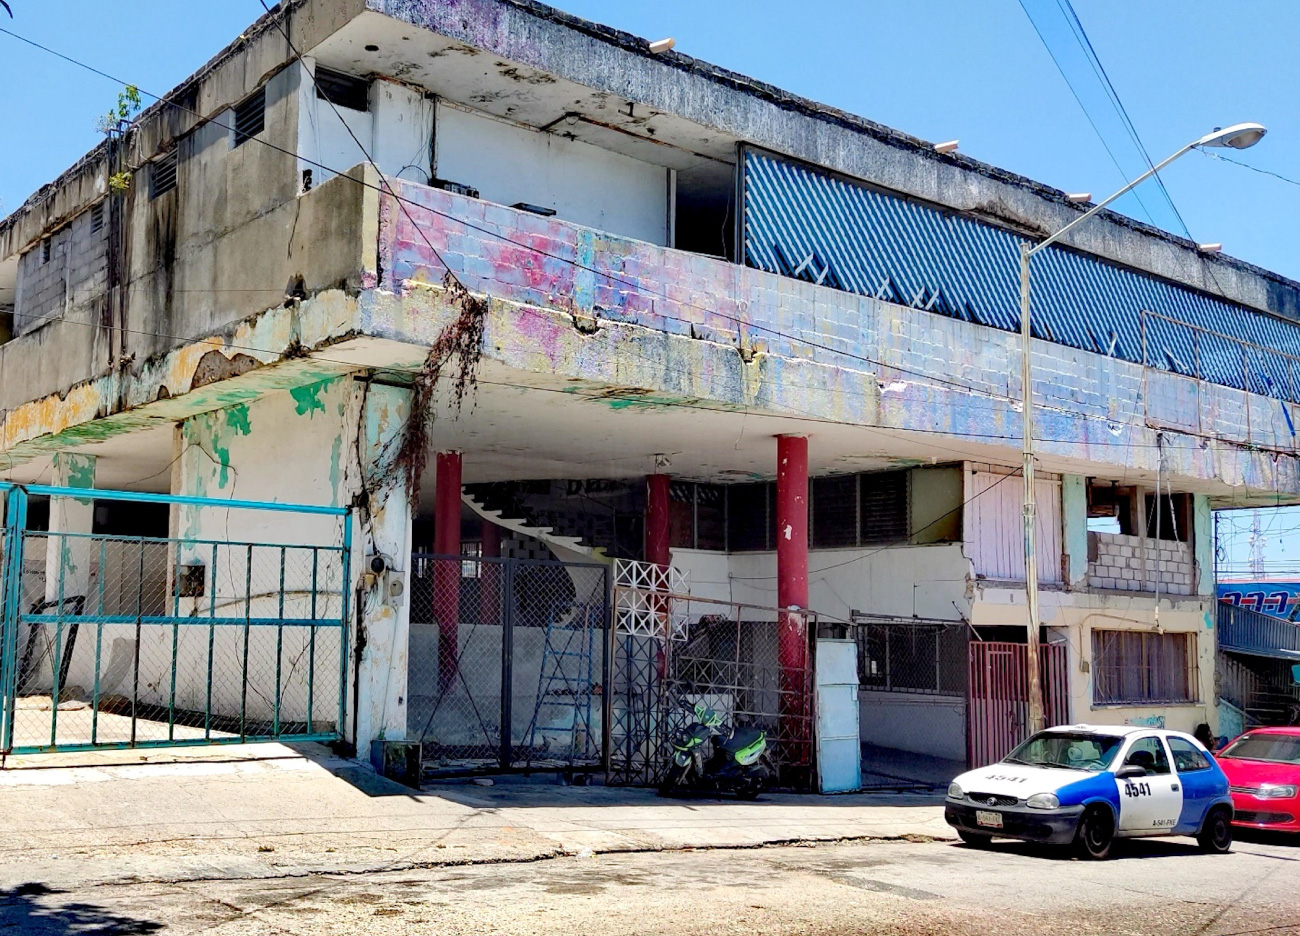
[462, 341]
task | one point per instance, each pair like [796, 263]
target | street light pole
[1238, 136]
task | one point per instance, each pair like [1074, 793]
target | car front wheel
[1216, 834]
[1096, 834]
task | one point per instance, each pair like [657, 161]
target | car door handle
[1174, 788]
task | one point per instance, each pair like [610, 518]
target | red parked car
[1263, 768]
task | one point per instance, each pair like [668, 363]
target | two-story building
[699, 320]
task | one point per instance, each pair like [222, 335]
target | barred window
[913, 657]
[1140, 667]
[883, 515]
[835, 511]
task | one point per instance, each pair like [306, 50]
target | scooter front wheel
[750, 790]
[673, 781]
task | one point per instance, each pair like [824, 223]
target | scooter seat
[740, 738]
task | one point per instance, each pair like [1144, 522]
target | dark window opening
[342, 90]
[250, 117]
[1110, 508]
[705, 210]
[97, 218]
[162, 174]
[45, 250]
[131, 518]
[751, 524]
[681, 515]
[835, 511]
[1174, 517]
[883, 511]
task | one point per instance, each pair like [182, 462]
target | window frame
[1193, 749]
[1109, 672]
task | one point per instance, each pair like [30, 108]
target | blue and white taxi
[1087, 785]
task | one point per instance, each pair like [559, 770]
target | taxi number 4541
[1137, 789]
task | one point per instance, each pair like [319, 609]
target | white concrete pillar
[384, 528]
[68, 558]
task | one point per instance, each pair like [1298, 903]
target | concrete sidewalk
[262, 811]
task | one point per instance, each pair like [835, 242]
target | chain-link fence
[131, 641]
[507, 663]
[912, 655]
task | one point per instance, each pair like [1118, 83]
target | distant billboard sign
[1278, 598]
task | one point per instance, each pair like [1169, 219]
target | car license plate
[992, 820]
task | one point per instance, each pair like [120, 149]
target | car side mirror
[1128, 771]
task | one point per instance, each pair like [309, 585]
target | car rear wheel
[1216, 834]
[975, 839]
[1096, 834]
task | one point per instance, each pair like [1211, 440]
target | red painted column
[446, 572]
[490, 575]
[792, 588]
[657, 540]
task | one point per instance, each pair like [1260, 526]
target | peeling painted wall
[758, 339]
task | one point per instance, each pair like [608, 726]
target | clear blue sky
[939, 69]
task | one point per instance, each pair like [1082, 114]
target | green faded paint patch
[307, 398]
[237, 419]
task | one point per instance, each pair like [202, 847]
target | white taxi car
[1086, 785]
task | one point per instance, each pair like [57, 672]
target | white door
[1149, 804]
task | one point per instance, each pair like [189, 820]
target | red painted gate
[998, 710]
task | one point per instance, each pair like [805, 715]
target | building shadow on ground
[35, 909]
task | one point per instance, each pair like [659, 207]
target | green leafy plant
[128, 105]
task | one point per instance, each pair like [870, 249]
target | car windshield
[1074, 750]
[1262, 746]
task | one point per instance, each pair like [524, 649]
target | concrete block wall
[1133, 563]
[74, 277]
[896, 366]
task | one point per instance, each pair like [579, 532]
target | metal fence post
[507, 660]
[607, 678]
[11, 568]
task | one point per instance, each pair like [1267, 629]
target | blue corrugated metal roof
[808, 224]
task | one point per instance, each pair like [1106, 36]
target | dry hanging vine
[462, 340]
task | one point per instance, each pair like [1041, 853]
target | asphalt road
[1155, 887]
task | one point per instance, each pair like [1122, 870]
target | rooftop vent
[342, 90]
[250, 116]
[162, 174]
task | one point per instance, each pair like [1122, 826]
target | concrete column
[1074, 523]
[657, 539]
[446, 574]
[68, 558]
[381, 671]
[792, 573]
[490, 575]
[1203, 546]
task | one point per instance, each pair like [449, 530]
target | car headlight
[955, 791]
[1043, 801]
[1277, 791]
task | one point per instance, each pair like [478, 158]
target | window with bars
[883, 508]
[162, 174]
[1141, 667]
[907, 657]
[250, 116]
[835, 511]
[342, 90]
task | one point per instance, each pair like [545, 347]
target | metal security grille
[672, 648]
[250, 116]
[162, 174]
[139, 641]
[910, 655]
[507, 663]
[998, 708]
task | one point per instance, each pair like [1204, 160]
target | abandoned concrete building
[635, 313]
